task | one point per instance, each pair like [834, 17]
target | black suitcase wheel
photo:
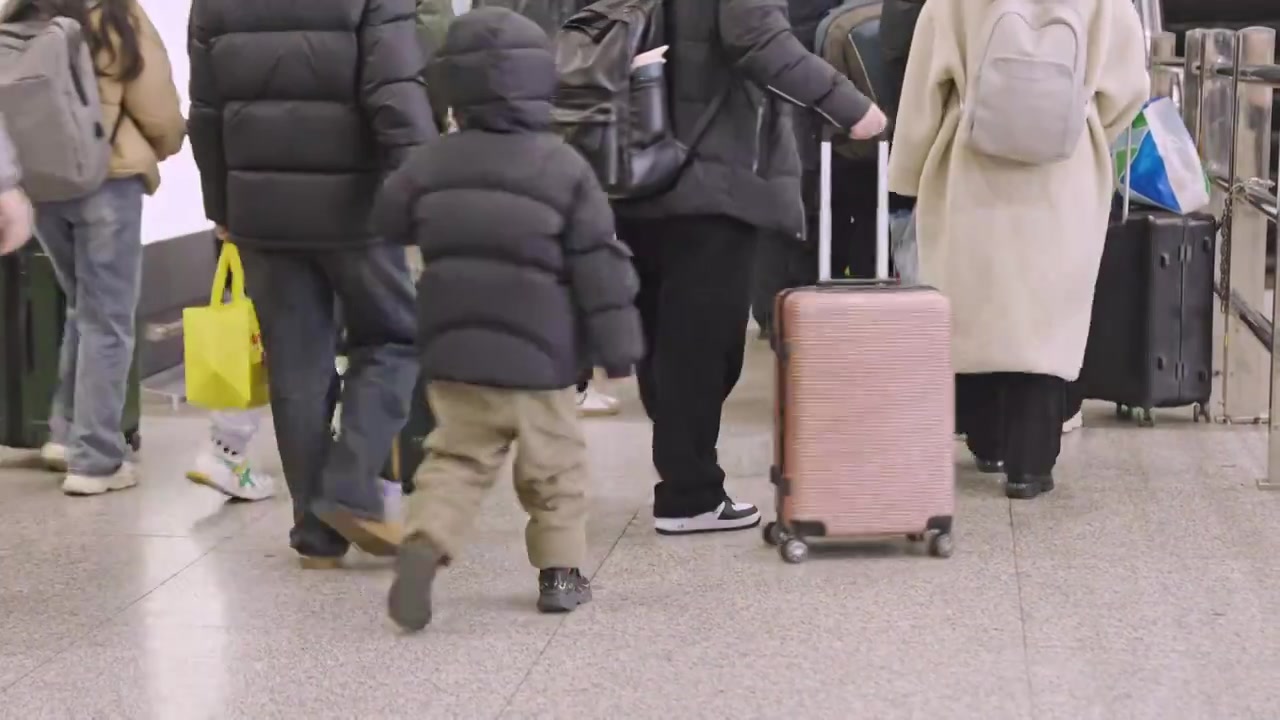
[774, 534]
[134, 440]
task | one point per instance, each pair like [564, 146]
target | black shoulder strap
[704, 121]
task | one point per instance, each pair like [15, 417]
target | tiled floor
[1147, 586]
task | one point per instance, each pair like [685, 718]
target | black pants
[1014, 417]
[295, 295]
[695, 284]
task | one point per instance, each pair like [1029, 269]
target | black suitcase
[33, 310]
[1151, 336]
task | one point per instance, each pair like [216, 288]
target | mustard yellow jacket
[147, 108]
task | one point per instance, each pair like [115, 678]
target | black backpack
[619, 119]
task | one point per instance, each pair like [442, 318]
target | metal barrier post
[1247, 367]
[1191, 82]
[1214, 140]
[1152, 16]
[1272, 480]
[1166, 78]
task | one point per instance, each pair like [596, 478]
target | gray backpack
[1026, 99]
[49, 98]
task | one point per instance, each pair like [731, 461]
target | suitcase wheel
[941, 545]
[1124, 412]
[794, 551]
[134, 440]
[774, 534]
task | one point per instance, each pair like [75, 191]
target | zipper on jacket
[755, 156]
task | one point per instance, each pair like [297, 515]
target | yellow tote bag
[225, 365]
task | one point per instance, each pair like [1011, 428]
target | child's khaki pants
[475, 429]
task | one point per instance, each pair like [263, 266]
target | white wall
[176, 209]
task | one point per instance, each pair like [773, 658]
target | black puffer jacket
[746, 165]
[897, 27]
[524, 285]
[298, 111]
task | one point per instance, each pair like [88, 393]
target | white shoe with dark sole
[728, 517]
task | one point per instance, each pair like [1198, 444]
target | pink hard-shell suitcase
[864, 400]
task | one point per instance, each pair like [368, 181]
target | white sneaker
[729, 516]
[122, 479]
[54, 456]
[1075, 423]
[593, 403]
[230, 475]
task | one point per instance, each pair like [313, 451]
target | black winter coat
[746, 166]
[524, 285]
[897, 27]
[298, 112]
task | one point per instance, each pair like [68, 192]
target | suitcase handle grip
[825, 228]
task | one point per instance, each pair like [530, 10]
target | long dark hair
[116, 23]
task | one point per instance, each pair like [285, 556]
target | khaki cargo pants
[475, 430]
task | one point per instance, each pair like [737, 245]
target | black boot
[1019, 486]
[562, 590]
[989, 467]
[409, 603]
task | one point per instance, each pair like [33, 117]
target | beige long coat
[1015, 248]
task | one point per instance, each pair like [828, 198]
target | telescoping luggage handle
[882, 219]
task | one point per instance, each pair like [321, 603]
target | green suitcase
[32, 313]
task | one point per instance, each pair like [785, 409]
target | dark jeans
[695, 284]
[294, 295]
[1014, 417]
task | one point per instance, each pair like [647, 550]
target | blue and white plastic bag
[1158, 160]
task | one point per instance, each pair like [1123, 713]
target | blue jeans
[296, 295]
[95, 244]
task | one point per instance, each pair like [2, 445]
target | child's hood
[497, 71]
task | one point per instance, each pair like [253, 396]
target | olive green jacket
[434, 17]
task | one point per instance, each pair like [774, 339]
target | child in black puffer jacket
[524, 287]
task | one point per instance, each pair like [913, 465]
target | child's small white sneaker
[229, 473]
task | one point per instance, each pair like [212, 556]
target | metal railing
[1225, 87]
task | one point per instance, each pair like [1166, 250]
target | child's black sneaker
[562, 590]
[409, 602]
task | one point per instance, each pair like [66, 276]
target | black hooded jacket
[746, 165]
[524, 285]
[897, 27]
[299, 109]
